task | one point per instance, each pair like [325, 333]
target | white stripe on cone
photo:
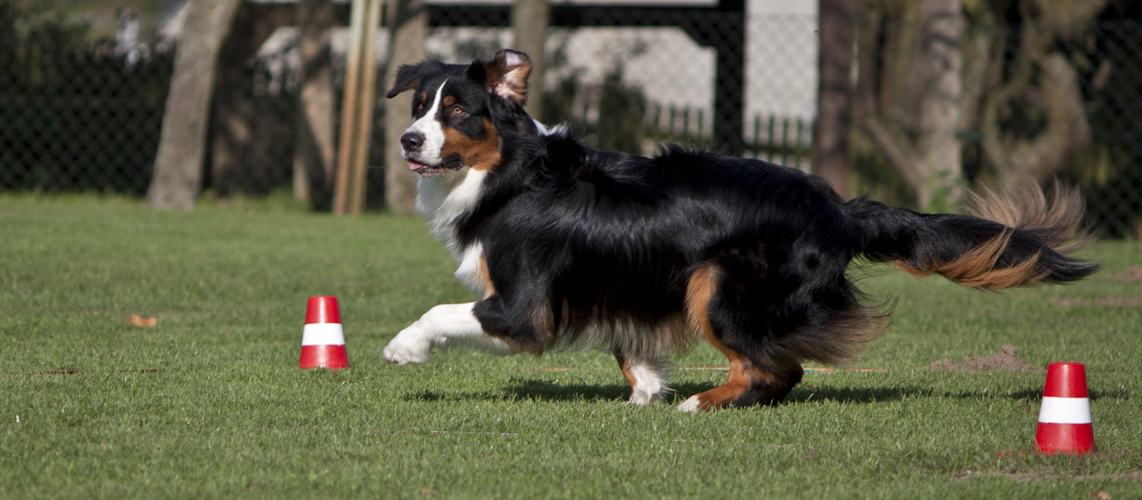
[323, 334]
[1064, 410]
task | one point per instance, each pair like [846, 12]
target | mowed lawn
[210, 403]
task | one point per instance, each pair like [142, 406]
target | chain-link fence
[76, 119]
[736, 77]
[1111, 167]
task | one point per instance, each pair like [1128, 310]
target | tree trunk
[408, 24]
[314, 154]
[939, 149]
[236, 163]
[529, 25]
[836, 30]
[182, 144]
[910, 107]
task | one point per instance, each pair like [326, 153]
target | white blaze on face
[428, 126]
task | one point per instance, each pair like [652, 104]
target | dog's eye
[457, 110]
[420, 107]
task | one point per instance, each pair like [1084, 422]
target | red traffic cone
[1064, 416]
[323, 342]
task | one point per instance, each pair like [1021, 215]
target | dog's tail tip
[1030, 245]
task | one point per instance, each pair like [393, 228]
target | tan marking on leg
[701, 288]
[624, 366]
[744, 375]
[485, 278]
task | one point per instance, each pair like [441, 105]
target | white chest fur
[443, 200]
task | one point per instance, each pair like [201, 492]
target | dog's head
[461, 112]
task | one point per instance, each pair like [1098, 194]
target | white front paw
[409, 346]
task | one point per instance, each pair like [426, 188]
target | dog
[567, 245]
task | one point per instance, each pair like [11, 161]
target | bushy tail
[1013, 238]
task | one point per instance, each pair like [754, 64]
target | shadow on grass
[809, 394]
[546, 390]
[884, 394]
[1037, 394]
[527, 389]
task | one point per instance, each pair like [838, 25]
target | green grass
[228, 414]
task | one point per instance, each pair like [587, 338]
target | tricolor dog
[569, 246]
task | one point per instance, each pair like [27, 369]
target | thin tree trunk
[912, 112]
[940, 105]
[182, 143]
[529, 25]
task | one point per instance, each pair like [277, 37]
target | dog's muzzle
[412, 145]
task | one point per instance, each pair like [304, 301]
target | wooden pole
[349, 107]
[367, 101]
[357, 108]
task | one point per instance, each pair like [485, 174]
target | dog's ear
[506, 75]
[409, 76]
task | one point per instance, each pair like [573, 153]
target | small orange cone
[1064, 416]
[323, 342]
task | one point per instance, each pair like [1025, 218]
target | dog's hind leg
[443, 326]
[753, 379]
[748, 384]
[647, 383]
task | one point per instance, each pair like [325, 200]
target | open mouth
[426, 170]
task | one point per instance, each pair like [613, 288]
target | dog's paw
[691, 405]
[409, 346]
[642, 397]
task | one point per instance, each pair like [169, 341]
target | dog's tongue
[412, 165]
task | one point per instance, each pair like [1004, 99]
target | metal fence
[77, 115]
[76, 119]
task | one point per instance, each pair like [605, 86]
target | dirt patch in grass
[1007, 359]
[1108, 302]
[1132, 274]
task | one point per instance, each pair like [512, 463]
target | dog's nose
[412, 141]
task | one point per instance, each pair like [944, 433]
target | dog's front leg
[442, 326]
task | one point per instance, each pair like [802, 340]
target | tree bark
[911, 110]
[236, 163]
[314, 154]
[182, 144]
[529, 25]
[939, 148]
[408, 24]
[836, 31]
